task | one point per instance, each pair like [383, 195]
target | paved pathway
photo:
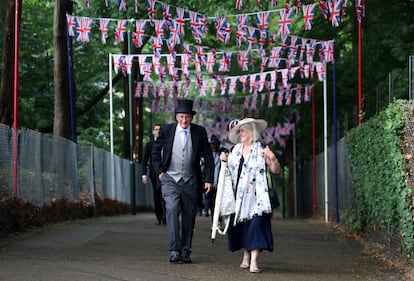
[134, 248]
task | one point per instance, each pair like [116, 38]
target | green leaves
[382, 196]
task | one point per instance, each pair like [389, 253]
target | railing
[50, 167]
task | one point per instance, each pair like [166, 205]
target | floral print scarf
[252, 194]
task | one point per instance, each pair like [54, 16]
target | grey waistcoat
[180, 166]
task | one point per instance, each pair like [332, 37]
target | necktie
[184, 136]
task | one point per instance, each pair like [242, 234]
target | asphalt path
[132, 247]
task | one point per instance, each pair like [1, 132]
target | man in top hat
[176, 156]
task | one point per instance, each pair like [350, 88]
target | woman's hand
[224, 156]
[271, 160]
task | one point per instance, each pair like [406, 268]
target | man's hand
[208, 187]
[144, 180]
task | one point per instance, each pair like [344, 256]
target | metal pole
[314, 154]
[360, 73]
[16, 95]
[131, 136]
[335, 138]
[295, 200]
[325, 136]
[410, 77]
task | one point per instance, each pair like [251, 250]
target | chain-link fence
[49, 167]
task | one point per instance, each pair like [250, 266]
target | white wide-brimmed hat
[235, 125]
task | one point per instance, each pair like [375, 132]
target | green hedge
[382, 198]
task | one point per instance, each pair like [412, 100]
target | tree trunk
[62, 114]
[7, 74]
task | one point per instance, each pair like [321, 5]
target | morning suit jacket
[162, 151]
[147, 166]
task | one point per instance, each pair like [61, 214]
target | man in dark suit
[176, 156]
[148, 172]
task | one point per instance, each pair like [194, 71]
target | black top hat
[185, 106]
[214, 139]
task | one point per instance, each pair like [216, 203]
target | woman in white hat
[247, 162]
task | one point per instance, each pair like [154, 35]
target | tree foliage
[387, 33]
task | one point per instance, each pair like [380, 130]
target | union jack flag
[262, 22]
[298, 94]
[360, 9]
[83, 29]
[180, 21]
[320, 70]
[225, 62]
[184, 64]
[271, 98]
[188, 51]
[166, 14]
[288, 95]
[174, 36]
[136, 5]
[335, 12]
[122, 5]
[203, 89]
[195, 26]
[262, 81]
[251, 37]
[147, 71]
[239, 4]
[156, 46]
[120, 31]
[223, 29]
[232, 85]
[200, 55]
[344, 2]
[103, 27]
[323, 7]
[243, 60]
[211, 61]
[292, 51]
[203, 25]
[156, 64]
[298, 4]
[213, 86]
[243, 80]
[128, 63]
[303, 49]
[285, 77]
[285, 21]
[223, 87]
[159, 29]
[310, 51]
[142, 63]
[263, 64]
[151, 11]
[171, 64]
[162, 73]
[138, 35]
[273, 78]
[280, 96]
[308, 13]
[116, 59]
[71, 21]
[253, 83]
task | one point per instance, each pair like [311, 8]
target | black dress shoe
[186, 258]
[164, 221]
[175, 259]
